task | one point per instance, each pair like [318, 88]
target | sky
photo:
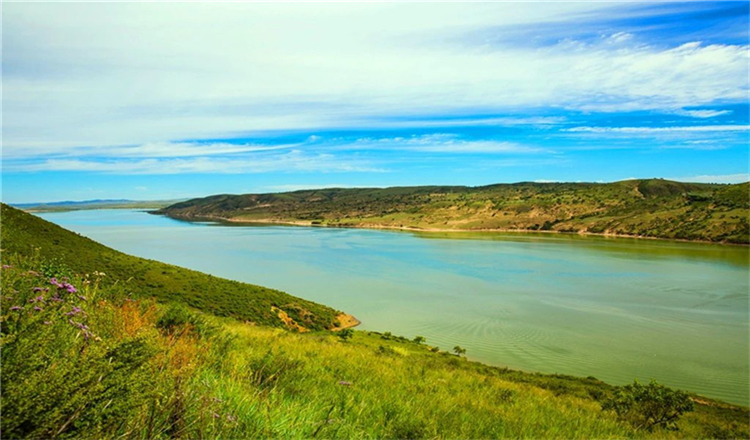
[152, 101]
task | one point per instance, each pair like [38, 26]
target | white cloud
[301, 186]
[292, 161]
[703, 114]
[135, 73]
[441, 143]
[506, 121]
[651, 130]
[148, 150]
[723, 178]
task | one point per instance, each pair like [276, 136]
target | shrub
[345, 334]
[55, 268]
[179, 317]
[649, 406]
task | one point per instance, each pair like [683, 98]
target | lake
[613, 308]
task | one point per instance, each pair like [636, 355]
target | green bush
[177, 317]
[649, 406]
[345, 334]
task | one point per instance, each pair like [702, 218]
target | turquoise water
[617, 309]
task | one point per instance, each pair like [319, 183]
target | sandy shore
[443, 230]
[346, 321]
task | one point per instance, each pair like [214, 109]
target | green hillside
[22, 233]
[87, 355]
[648, 208]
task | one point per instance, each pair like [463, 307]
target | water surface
[617, 309]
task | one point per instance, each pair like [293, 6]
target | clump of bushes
[649, 406]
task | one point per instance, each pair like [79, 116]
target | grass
[24, 233]
[97, 357]
[133, 373]
[654, 208]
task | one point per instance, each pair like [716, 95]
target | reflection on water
[613, 308]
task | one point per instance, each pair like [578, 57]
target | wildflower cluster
[51, 300]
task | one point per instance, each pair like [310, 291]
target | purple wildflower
[37, 308]
[16, 308]
[69, 287]
[216, 416]
[39, 298]
[83, 298]
[38, 289]
[78, 324]
[345, 383]
[7, 266]
[56, 283]
[56, 298]
[74, 311]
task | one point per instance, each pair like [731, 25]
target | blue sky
[175, 100]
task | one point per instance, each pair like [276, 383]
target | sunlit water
[617, 309]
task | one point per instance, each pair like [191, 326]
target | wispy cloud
[148, 150]
[300, 186]
[277, 70]
[503, 121]
[722, 178]
[441, 143]
[703, 114]
[293, 161]
[651, 130]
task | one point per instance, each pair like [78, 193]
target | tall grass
[85, 361]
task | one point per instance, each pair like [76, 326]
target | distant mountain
[654, 208]
[69, 205]
[72, 203]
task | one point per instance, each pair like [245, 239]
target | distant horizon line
[179, 199]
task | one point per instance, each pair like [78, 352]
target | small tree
[649, 406]
[345, 334]
[458, 350]
[419, 339]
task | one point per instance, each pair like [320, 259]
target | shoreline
[346, 321]
[305, 223]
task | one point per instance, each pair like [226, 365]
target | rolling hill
[23, 233]
[654, 208]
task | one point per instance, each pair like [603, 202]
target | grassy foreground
[88, 355]
[95, 363]
[654, 208]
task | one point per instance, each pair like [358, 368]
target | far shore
[308, 223]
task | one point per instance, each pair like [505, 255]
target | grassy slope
[207, 377]
[22, 232]
[650, 208]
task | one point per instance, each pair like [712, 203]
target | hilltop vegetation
[89, 355]
[22, 233]
[646, 208]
